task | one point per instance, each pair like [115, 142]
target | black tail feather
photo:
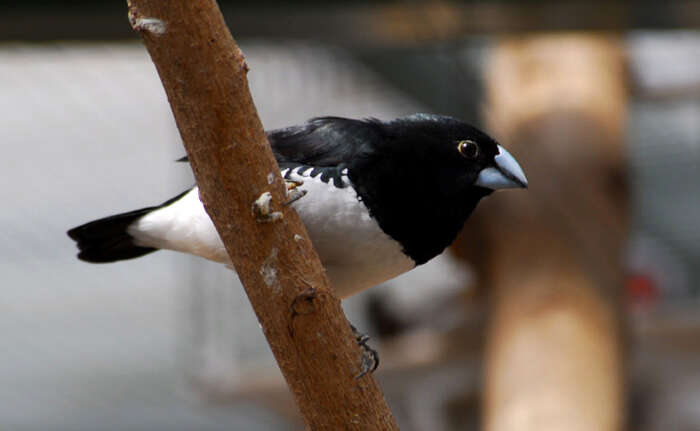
[107, 240]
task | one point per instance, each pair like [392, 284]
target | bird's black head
[427, 174]
[461, 158]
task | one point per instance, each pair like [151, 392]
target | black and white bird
[381, 197]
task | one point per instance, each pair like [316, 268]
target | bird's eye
[468, 149]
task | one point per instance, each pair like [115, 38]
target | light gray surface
[664, 159]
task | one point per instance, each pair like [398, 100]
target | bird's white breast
[356, 253]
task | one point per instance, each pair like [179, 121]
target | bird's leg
[262, 208]
[293, 192]
[370, 357]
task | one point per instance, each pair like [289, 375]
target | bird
[378, 198]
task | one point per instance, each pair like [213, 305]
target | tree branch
[204, 75]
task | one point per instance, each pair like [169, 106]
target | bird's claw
[292, 184]
[294, 193]
[370, 357]
[262, 209]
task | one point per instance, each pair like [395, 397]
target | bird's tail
[108, 240]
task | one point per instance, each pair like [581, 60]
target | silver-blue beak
[507, 174]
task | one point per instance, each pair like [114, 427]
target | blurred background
[571, 306]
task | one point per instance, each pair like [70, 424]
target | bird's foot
[370, 357]
[294, 193]
[262, 209]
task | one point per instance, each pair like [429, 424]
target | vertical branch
[204, 75]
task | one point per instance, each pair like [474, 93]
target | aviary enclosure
[570, 307]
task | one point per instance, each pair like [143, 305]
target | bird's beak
[507, 173]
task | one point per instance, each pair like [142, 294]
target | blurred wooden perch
[551, 258]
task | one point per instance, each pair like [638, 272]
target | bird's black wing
[323, 141]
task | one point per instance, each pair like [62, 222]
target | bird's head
[462, 158]
[423, 175]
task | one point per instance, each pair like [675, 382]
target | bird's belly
[356, 253]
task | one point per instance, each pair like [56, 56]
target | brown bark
[204, 75]
[551, 257]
